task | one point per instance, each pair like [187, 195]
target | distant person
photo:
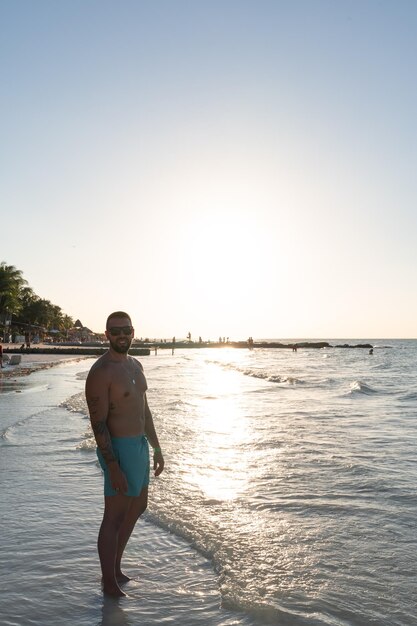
[1, 355]
[371, 351]
[173, 345]
[27, 340]
[122, 425]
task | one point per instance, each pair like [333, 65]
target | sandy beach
[33, 362]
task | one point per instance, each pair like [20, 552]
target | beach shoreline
[33, 362]
[43, 427]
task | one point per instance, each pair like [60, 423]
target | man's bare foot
[120, 577]
[113, 589]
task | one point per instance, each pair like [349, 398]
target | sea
[289, 495]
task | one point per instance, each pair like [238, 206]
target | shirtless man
[120, 419]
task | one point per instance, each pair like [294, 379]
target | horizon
[214, 168]
[270, 339]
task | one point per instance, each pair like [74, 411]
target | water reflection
[113, 614]
[221, 430]
[11, 384]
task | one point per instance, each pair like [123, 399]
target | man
[122, 424]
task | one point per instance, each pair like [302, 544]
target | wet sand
[33, 362]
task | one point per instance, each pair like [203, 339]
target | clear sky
[232, 168]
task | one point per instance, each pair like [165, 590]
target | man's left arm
[150, 432]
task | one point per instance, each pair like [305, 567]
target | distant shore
[87, 349]
[141, 348]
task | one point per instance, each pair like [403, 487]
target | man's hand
[158, 462]
[117, 478]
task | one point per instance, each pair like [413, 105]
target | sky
[226, 168]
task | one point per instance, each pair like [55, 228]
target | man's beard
[121, 349]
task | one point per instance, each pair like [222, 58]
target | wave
[76, 404]
[178, 403]
[271, 378]
[411, 396]
[382, 366]
[6, 432]
[246, 601]
[358, 387]
[258, 373]
[88, 444]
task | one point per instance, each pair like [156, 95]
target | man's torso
[126, 387]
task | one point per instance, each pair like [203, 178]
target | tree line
[20, 306]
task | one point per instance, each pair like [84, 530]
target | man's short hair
[118, 314]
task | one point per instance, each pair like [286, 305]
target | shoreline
[34, 362]
[42, 432]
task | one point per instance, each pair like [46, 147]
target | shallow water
[51, 504]
[289, 495]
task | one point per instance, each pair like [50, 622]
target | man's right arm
[96, 392]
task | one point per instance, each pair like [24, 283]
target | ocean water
[289, 495]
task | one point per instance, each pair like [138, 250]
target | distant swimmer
[371, 351]
[122, 425]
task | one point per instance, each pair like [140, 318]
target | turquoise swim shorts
[132, 454]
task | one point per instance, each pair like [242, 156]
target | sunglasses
[115, 331]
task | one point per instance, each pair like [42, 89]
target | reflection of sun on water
[223, 428]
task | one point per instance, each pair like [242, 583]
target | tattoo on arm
[102, 435]
[100, 430]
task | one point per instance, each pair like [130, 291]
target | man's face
[119, 332]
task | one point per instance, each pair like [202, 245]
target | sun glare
[223, 428]
[222, 259]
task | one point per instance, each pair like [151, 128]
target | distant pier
[73, 350]
[255, 344]
[145, 348]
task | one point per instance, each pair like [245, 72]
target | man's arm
[96, 392]
[150, 432]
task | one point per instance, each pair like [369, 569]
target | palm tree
[11, 285]
[40, 312]
[16, 297]
[27, 298]
[66, 323]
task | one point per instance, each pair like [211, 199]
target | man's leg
[136, 507]
[115, 511]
